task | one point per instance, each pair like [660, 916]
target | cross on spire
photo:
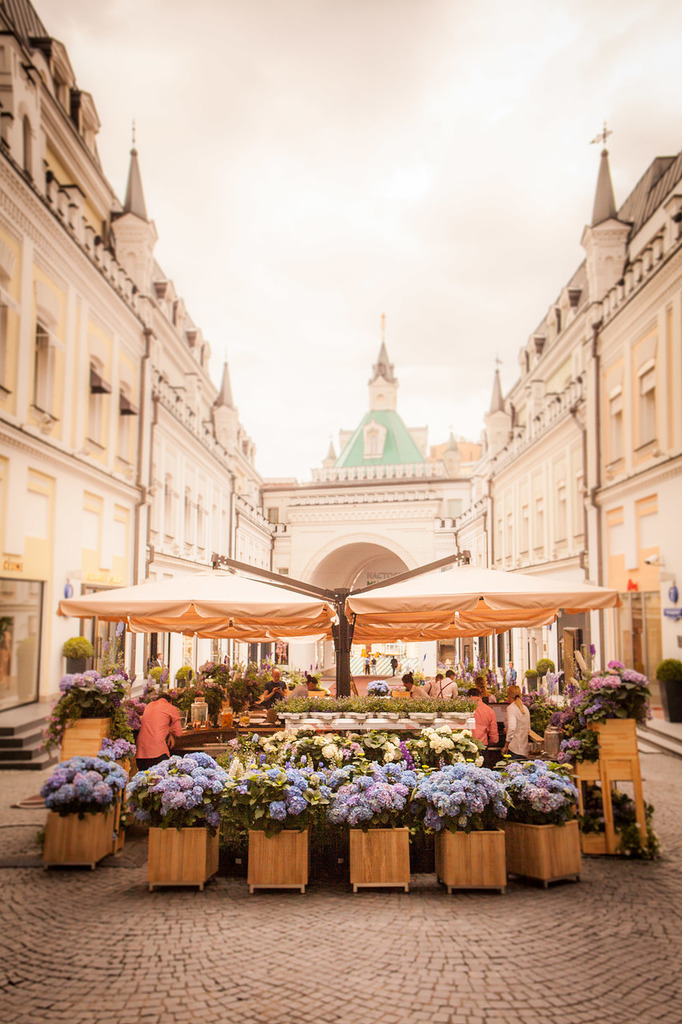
[133, 133]
[383, 327]
[602, 137]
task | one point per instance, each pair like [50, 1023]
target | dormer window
[375, 439]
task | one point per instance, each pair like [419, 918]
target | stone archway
[356, 564]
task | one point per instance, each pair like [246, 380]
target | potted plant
[274, 805]
[184, 676]
[541, 829]
[437, 747]
[123, 753]
[463, 805]
[179, 799]
[81, 795]
[372, 803]
[77, 651]
[531, 677]
[89, 708]
[543, 666]
[669, 675]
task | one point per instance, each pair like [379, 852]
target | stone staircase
[21, 735]
[660, 736]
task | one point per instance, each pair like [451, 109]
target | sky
[312, 164]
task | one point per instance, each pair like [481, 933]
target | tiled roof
[24, 20]
[399, 448]
[657, 181]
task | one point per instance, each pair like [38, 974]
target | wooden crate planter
[545, 852]
[83, 738]
[279, 861]
[617, 737]
[471, 860]
[71, 841]
[185, 856]
[380, 857]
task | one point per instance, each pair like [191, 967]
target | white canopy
[214, 603]
[469, 601]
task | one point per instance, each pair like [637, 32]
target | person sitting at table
[274, 691]
[302, 690]
[413, 690]
[155, 740]
[451, 688]
[435, 687]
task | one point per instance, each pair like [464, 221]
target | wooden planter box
[617, 738]
[380, 857]
[279, 861]
[473, 860]
[593, 843]
[83, 738]
[77, 842]
[185, 856]
[545, 852]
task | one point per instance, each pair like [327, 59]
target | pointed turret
[604, 200]
[452, 457]
[329, 461]
[225, 397]
[605, 238]
[496, 401]
[383, 385]
[134, 202]
[134, 234]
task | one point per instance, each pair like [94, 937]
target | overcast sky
[311, 164]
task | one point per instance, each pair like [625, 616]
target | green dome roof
[394, 445]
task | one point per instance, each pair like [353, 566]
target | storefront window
[639, 632]
[21, 603]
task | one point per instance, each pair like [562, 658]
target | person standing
[519, 731]
[394, 664]
[451, 689]
[367, 665]
[485, 730]
[159, 727]
[510, 674]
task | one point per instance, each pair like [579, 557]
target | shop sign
[12, 565]
[102, 577]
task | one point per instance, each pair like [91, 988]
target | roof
[25, 21]
[382, 367]
[399, 446]
[662, 174]
[604, 201]
[134, 202]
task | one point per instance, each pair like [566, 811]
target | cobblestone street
[85, 947]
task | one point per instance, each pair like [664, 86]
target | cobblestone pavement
[86, 947]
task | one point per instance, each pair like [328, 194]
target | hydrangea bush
[272, 798]
[182, 792]
[84, 785]
[88, 695]
[378, 688]
[377, 798]
[116, 750]
[459, 797]
[437, 747]
[538, 794]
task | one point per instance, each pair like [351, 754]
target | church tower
[135, 235]
[225, 415]
[497, 420]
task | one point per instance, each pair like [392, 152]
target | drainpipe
[142, 482]
[593, 491]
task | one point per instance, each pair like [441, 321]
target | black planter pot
[671, 700]
[76, 665]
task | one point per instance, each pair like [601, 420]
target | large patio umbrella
[469, 601]
[213, 603]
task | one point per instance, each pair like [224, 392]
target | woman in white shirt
[518, 726]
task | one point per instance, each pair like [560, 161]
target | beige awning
[215, 603]
[469, 601]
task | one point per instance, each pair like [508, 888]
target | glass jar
[199, 713]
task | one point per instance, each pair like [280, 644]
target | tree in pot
[669, 675]
[77, 651]
[531, 676]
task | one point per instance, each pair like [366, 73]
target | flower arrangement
[272, 799]
[88, 695]
[133, 708]
[84, 785]
[375, 799]
[182, 792]
[374, 705]
[459, 797]
[539, 795]
[437, 747]
[116, 750]
[378, 688]
[312, 750]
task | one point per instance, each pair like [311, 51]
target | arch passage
[357, 565]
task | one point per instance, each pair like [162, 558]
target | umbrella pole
[343, 639]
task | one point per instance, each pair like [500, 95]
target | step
[36, 764]
[16, 721]
[662, 744]
[27, 739]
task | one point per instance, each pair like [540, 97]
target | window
[454, 508]
[374, 440]
[189, 518]
[510, 536]
[28, 147]
[561, 513]
[43, 369]
[272, 514]
[4, 327]
[539, 525]
[525, 528]
[201, 523]
[647, 403]
[616, 425]
[169, 507]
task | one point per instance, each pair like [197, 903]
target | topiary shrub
[544, 666]
[184, 675]
[669, 671]
[531, 674]
[78, 647]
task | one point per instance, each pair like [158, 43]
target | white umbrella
[214, 603]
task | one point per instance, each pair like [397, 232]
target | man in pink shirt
[486, 724]
[160, 723]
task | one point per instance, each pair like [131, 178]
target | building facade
[119, 457]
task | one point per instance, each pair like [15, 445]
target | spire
[329, 461]
[604, 200]
[452, 443]
[225, 397]
[135, 203]
[496, 402]
[382, 367]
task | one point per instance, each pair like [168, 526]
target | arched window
[28, 147]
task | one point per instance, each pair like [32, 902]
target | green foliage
[184, 675]
[624, 822]
[155, 673]
[541, 710]
[78, 647]
[375, 705]
[531, 673]
[669, 671]
[544, 666]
